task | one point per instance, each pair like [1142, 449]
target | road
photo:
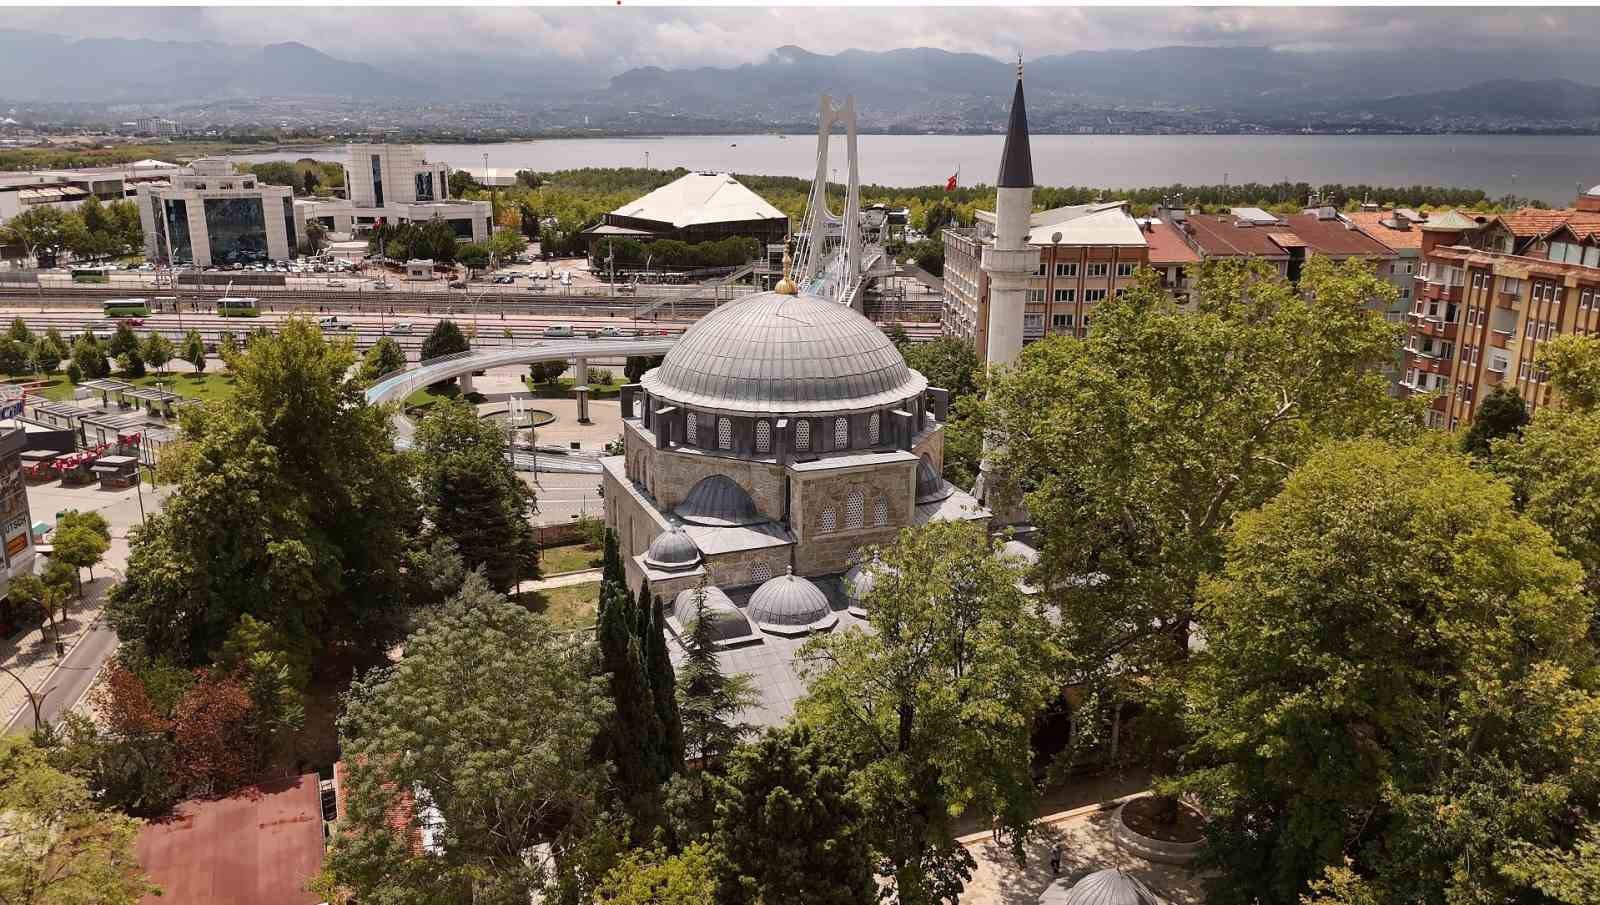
[73, 678]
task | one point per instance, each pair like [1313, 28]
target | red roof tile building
[1492, 290]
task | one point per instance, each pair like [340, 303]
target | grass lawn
[562, 389]
[208, 387]
[421, 400]
[573, 606]
[568, 558]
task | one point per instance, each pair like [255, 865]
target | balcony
[1428, 364]
[1502, 339]
[1508, 299]
[1491, 377]
[1428, 326]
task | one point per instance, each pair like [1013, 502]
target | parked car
[383, 284]
[336, 284]
[333, 322]
[558, 331]
[400, 328]
[458, 284]
[606, 333]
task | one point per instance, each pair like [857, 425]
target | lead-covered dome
[790, 605]
[1104, 887]
[783, 354]
[718, 500]
[722, 617]
[672, 551]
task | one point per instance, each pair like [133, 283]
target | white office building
[211, 215]
[395, 184]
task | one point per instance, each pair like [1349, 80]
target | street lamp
[35, 699]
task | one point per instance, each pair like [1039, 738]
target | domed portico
[781, 435]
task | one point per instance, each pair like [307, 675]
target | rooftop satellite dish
[1055, 238]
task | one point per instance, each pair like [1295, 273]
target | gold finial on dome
[786, 285]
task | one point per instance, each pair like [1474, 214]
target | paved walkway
[587, 576]
[1087, 845]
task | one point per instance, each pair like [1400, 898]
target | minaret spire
[1016, 160]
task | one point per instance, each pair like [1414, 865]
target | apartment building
[69, 188]
[1492, 291]
[396, 184]
[209, 215]
[1087, 253]
[1400, 231]
[1286, 242]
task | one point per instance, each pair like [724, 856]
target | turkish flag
[950, 184]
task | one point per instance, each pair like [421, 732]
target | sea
[1547, 168]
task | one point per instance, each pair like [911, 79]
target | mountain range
[962, 91]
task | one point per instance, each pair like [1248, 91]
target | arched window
[827, 522]
[724, 433]
[802, 434]
[691, 429]
[872, 430]
[763, 436]
[880, 512]
[854, 509]
[761, 572]
[841, 433]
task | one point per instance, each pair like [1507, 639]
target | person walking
[994, 829]
[1055, 859]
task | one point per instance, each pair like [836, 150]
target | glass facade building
[377, 179]
[179, 249]
[237, 228]
[425, 186]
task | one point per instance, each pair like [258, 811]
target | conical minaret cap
[1016, 160]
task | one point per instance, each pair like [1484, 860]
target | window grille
[854, 509]
[724, 433]
[827, 523]
[872, 429]
[802, 434]
[761, 572]
[880, 512]
[763, 436]
[691, 431]
[841, 433]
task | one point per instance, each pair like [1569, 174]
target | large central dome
[784, 354]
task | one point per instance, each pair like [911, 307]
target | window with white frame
[1125, 269]
[724, 433]
[855, 509]
[872, 429]
[1066, 270]
[880, 512]
[1099, 270]
[1035, 295]
[841, 433]
[1040, 271]
[1061, 320]
[802, 434]
[827, 522]
[1094, 295]
[1065, 295]
[763, 436]
[691, 429]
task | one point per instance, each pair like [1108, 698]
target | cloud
[610, 39]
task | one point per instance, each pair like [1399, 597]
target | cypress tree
[629, 742]
[710, 700]
[663, 686]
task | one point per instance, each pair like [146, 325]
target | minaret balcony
[1021, 261]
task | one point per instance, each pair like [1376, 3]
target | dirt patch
[1148, 817]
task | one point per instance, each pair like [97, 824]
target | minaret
[1010, 263]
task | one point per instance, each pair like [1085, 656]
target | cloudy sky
[612, 38]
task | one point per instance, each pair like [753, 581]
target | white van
[558, 331]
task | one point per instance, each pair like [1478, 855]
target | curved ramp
[400, 384]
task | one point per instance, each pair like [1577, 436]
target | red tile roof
[1218, 236]
[1166, 246]
[1528, 222]
[258, 846]
[1371, 222]
[1334, 237]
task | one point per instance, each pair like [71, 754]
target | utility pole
[35, 699]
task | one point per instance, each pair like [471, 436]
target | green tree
[636, 366]
[929, 255]
[157, 351]
[15, 357]
[1574, 365]
[193, 350]
[488, 716]
[471, 495]
[227, 347]
[630, 741]
[444, 339]
[1135, 448]
[786, 785]
[935, 707]
[1395, 673]
[79, 547]
[461, 181]
[546, 373]
[49, 350]
[947, 362]
[99, 236]
[473, 255]
[19, 331]
[123, 341]
[709, 700]
[507, 244]
[385, 357]
[435, 571]
[134, 773]
[131, 363]
[653, 877]
[1502, 414]
[1567, 875]
[292, 505]
[276, 672]
[90, 358]
[315, 238]
[1555, 473]
[46, 232]
[60, 849]
[663, 685]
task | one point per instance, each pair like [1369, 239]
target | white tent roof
[700, 198]
[150, 163]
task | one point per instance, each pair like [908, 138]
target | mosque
[780, 437]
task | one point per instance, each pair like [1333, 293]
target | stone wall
[731, 570]
[820, 552]
[930, 443]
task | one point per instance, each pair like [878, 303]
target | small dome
[672, 551]
[718, 500]
[790, 604]
[1593, 191]
[930, 487]
[1105, 887]
[726, 621]
[860, 580]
